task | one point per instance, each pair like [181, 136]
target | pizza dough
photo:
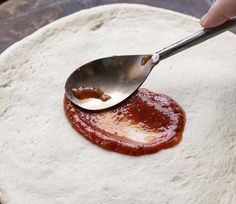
[44, 160]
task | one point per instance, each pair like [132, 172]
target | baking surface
[21, 18]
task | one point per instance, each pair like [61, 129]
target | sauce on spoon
[90, 92]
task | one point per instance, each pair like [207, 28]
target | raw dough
[44, 160]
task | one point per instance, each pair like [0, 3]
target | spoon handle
[195, 39]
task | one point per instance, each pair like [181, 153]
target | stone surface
[23, 17]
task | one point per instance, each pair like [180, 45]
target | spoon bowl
[117, 76]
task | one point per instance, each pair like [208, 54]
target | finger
[216, 15]
[203, 20]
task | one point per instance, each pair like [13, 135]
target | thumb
[202, 21]
[219, 12]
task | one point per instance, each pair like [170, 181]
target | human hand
[219, 12]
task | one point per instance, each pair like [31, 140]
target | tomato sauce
[143, 124]
[90, 92]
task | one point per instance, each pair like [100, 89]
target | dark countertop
[22, 17]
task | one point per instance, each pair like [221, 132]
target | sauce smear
[90, 92]
[145, 123]
[145, 59]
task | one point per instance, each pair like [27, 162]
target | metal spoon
[120, 76]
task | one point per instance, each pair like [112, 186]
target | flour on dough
[44, 160]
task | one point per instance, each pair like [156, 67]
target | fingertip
[211, 23]
[202, 21]
[215, 16]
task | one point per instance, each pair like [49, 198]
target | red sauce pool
[145, 123]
